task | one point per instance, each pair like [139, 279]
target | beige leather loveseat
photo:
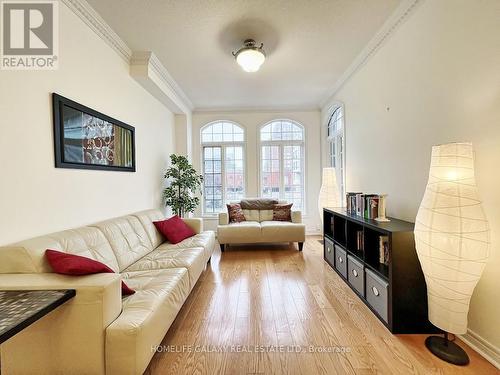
[259, 226]
[98, 331]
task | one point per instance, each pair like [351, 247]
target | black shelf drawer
[377, 294]
[356, 274]
[341, 260]
[329, 251]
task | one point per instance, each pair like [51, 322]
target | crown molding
[177, 99]
[88, 15]
[397, 18]
[261, 109]
[146, 69]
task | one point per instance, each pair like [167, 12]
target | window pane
[270, 177]
[217, 127]
[212, 178]
[234, 174]
[293, 177]
[222, 132]
[206, 137]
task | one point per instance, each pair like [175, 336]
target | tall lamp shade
[452, 240]
[329, 192]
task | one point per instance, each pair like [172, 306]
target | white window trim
[222, 145]
[302, 143]
[333, 138]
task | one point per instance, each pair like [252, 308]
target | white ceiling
[309, 44]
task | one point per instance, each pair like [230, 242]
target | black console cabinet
[393, 288]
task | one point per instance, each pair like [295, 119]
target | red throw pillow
[282, 212]
[174, 229]
[74, 265]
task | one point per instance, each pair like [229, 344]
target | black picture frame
[59, 103]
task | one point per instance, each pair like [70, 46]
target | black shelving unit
[393, 289]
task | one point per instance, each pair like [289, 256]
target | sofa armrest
[223, 218]
[75, 330]
[297, 217]
[195, 223]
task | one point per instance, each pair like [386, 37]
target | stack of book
[364, 205]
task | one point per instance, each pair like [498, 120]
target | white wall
[35, 197]
[436, 80]
[252, 121]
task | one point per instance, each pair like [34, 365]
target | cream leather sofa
[259, 227]
[98, 331]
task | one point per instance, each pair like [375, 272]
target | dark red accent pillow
[75, 265]
[282, 212]
[235, 213]
[174, 229]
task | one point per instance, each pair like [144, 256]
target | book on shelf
[383, 250]
[359, 240]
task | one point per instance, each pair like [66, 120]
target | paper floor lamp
[452, 240]
[329, 192]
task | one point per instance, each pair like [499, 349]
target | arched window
[282, 162]
[335, 133]
[223, 144]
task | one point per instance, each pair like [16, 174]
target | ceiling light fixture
[250, 57]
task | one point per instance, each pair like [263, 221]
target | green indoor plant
[184, 182]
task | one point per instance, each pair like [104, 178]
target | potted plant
[184, 181]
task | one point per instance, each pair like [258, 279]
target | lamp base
[447, 350]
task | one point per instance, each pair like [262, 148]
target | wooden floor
[260, 310]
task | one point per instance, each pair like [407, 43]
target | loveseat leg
[301, 245]
[222, 247]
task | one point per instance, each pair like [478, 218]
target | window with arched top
[282, 162]
[223, 160]
[335, 134]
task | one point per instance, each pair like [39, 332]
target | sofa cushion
[252, 215]
[146, 218]
[244, 232]
[174, 229]
[146, 316]
[29, 256]
[128, 239]
[282, 231]
[205, 240]
[266, 215]
[164, 257]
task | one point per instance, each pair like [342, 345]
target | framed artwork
[87, 139]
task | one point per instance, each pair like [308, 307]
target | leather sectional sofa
[98, 331]
[259, 226]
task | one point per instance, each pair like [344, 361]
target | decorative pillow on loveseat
[282, 212]
[235, 213]
[76, 265]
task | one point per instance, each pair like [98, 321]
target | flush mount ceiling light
[250, 57]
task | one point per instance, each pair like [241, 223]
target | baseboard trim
[483, 347]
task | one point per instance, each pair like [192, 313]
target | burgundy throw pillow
[235, 213]
[282, 212]
[174, 229]
[75, 265]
